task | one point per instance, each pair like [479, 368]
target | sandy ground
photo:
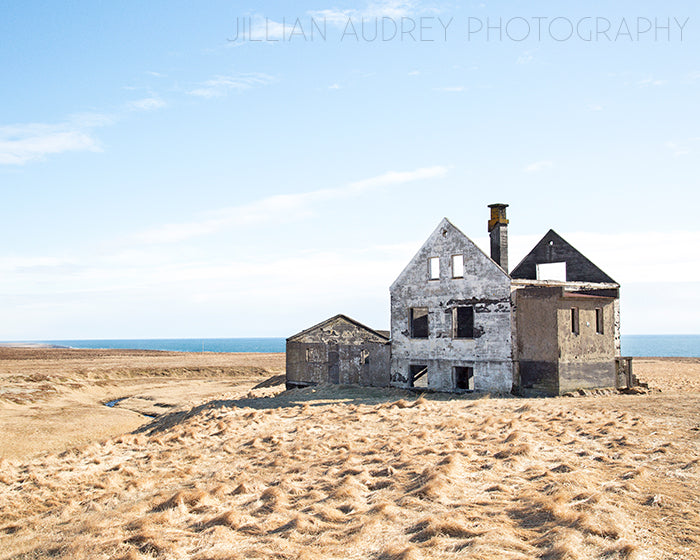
[344, 472]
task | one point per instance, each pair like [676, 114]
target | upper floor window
[552, 271]
[599, 320]
[457, 266]
[574, 320]
[434, 268]
[418, 322]
[463, 322]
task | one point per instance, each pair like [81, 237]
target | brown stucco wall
[537, 348]
[553, 360]
[587, 359]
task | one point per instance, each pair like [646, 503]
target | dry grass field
[342, 472]
[52, 399]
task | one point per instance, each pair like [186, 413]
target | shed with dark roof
[340, 350]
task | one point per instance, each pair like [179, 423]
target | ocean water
[671, 345]
[182, 344]
[632, 345]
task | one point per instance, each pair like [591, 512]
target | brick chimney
[498, 231]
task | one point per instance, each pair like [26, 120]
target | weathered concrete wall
[587, 359]
[553, 359]
[484, 286]
[537, 346]
[338, 351]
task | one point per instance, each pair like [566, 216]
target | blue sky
[187, 169]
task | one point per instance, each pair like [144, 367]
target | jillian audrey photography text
[347, 28]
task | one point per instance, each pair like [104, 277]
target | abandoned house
[338, 350]
[460, 322]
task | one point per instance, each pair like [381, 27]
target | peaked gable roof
[335, 318]
[553, 248]
[444, 228]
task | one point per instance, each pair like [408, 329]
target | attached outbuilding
[339, 350]
[567, 322]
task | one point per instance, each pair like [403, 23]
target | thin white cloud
[539, 166]
[147, 104]
[266, 29]
[280, 208]
[650, 82]
[24, 143]
[450, 89]
[220, 86]
[414, 73]
[678, 149]
[20, 144]
[595, 107]
[525, 58]
[682, 148]
[388, 8]
[334, 86]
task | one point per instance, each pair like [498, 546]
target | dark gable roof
[345, 318]
[552, 248]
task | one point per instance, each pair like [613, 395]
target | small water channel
[113, 403]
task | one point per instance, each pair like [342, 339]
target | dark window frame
[599, 321]
[468, 371]
[575, 321]
[419, 327]
[421, 370]
[463, 327]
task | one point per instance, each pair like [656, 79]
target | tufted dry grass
[339, 472]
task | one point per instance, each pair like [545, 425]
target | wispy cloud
[280, 208]
[334, 86]
[383, 8]
[538, 166]
[650, 82]
[268, 29]
[678, 149]
[22, 143]
[683, 148]
[29, 142]
[595, 107]
[220, 86]
[147, 104]
[526, 58]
